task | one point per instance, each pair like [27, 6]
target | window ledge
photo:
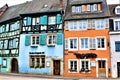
[51, 45]
[34, 46]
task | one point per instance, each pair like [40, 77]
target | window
[73, 65]
[99, 24]
[83, 25]
[51, 20]
[34, 40]
[35, 21]
[117, 10]
[72, 25]
[117, 46]
[10, 43]
[37, 61]
[84, 43]
[84, 65]
[73, 44]
[100, 42]
[92, 44]
[93, 7]
[78, 9]
[11, 26]
[51, 40]
[4, 63]
[117, 25]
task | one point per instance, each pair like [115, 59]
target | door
[118, 69]
[101, 68]
[56, 67]
[14, 66]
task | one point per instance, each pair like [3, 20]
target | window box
[72, 70]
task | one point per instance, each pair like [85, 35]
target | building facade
[114, 39]
[41, 38]
[87, 51]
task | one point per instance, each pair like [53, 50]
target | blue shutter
[27, 40]
[0, 60]
[7, 27]
[29, 20]
[45, 20]
[6, 44]
[59, 38]
[14, 43]
[58, 19]
[42, 39]
[15, 26]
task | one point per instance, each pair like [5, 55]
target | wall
[50, 52]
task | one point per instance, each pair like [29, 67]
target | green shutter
[58, 19]
[27, 40]
[14, 43]
[59, 38]
[29, 21]
[42, 39]
[41, 20]
[7, 27]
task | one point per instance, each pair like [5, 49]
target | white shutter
[93, 24]
[92, 42]
[66, 25]
[82, 8]
[106, 23]
[73, 9]
[89, 24]
[88, 7]
[66, 43]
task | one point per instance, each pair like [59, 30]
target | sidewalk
[54, 77]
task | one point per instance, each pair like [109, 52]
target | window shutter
[73, 9]
[93, 24]
[15, 26]
[29, 21]
[14, 43]
[7, 27]
[6, 44]
[106, 23]
[27, 40]
[111, 24]
[82, 8]
[66, 25]
[58, 19]
[45, 20]
[88, 7]
[66, 43]
[59, 38]
[0, 44]
[41, 20]
[92, 42]
[89, 24]
[42, 39]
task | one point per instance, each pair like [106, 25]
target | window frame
[51, 20]
[70, 67]
[31, 40]
[116, 20]
[100, 42]
[116, 42]
[85, 63]
[118, 7]
[69, 44]
[10, 43]
[54, 42]
[82, 22]
[100, 24]
[84, 44]
[4, 63]
[71, 25]
[35, 20]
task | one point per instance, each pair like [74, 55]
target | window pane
[117, 46]
[37, 40]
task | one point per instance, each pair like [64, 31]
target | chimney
[3, 9]
[61, 3]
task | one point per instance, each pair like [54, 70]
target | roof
[112, 9]
[102, 14]
[3, 9]
[35, 6]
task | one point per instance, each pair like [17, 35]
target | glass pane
[37, 40]
[71, 43]
[75, 43]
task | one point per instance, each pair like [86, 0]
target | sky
[14, 2]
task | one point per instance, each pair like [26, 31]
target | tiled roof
[112, 9]
[35, 6]
[69, 15]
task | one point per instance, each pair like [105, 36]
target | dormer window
[117, 10]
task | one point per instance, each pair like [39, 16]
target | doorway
[56, 67]
[118, 69]
[14, 66]
[101, 68]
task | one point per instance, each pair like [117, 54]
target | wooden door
[14, 66]
[101, 68]
[56, 67]
[118, 69]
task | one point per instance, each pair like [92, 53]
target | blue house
[41, 38]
